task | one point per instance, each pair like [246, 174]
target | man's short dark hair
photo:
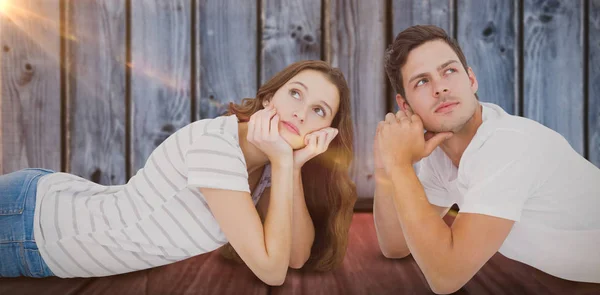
[397, 53]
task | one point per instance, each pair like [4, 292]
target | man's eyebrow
[447, 64]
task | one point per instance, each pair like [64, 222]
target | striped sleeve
[215, 160]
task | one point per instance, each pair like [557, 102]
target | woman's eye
[320, 112]
[295, 94]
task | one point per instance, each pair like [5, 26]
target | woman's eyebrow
[301, 84]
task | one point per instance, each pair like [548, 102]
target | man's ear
[402, 103]
[473, 80]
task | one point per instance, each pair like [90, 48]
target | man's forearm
[387, 226]
[303, 231]
[427, 235]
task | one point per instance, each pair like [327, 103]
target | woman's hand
[317, 143]
[263, 132]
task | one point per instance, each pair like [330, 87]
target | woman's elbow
[394, 253]
[274, 279]
[273, 274]
[298, 262]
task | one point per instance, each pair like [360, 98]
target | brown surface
[204, 274]
[365, 271]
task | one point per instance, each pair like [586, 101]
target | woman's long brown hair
[329, 192]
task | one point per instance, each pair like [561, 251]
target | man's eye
[421, 82]
[450, 71]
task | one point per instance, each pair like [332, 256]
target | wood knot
[26, 75]
[545, 18]
[96, 176]
[551, 6]
[308, 38]
[489, 30]
[169, 128]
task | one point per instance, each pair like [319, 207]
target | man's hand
[401, 140]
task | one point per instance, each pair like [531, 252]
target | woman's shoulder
[222, 126]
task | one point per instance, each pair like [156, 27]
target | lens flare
[3, 6]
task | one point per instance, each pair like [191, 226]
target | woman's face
[308, 102]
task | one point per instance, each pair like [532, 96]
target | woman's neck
[254, 157]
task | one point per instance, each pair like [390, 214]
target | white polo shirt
[518, 169]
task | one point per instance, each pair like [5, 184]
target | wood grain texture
[160, 74]
[366, 271]
[291, 32]
[357, 43]
[203, 274]
[227, 54]
[553, 63]
[406, 13]
[487, 33]
[593, 85]
[30, 85]
[95, 64]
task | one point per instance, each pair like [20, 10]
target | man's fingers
[435, 141]
[390, 118]
[401, 115]
[428, 135]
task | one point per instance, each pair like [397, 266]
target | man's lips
[291, 127]
[445, 107]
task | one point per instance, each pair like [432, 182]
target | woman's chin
[293, 140]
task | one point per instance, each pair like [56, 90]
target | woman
[284, 155]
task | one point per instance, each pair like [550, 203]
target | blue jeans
[19, 254]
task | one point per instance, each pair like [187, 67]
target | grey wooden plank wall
[127, 74]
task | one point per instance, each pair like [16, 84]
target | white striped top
[84, 229]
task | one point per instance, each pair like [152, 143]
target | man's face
[438, 88]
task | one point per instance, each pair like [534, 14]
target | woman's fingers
[275, 125]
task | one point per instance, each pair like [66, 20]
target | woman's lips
[291, 127]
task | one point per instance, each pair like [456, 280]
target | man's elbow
[445, 289]
[446, 284]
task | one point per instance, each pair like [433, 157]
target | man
[521, 189]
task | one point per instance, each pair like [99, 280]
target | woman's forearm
[303, 231]
[278, 220]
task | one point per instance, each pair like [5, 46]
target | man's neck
[254, 157]
[458, 143]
